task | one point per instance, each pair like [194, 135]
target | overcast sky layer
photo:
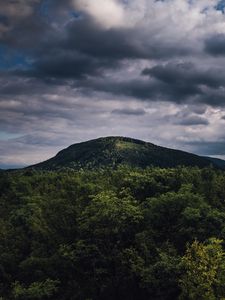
[75, 70]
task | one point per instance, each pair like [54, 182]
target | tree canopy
[124, 233]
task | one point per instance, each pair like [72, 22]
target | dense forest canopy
[124, 233]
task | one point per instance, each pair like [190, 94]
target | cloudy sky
[74, 70]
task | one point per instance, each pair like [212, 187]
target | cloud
[76, 69]
[215, 45]
[66, 64]
[129, 111]
[192, 121]
[109, 14]
[14, 12]
[186, 73]
[173, 82]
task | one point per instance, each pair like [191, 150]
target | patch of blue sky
[5, 136]
[5, 166]
[75, 14]
[221, 6]
[10, 59]
[45, 12]
[44, 8]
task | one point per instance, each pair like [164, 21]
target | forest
[113, 234]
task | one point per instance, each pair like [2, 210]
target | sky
[76, 70]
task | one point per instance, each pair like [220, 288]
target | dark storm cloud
[20, 19]
[66, 64]
[129, 111]
[185, 81]
[18, 86]
[215, 45]
[178, 74]
[59, 45]
[173, 82]
[122, 43]
[192, 121]
[86, 37]
[188, 116]
[76, 65]
[4, 20]
[214, 97]
[82, 48]
[135, 88]
[27, 34]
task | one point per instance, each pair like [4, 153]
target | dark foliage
[114, 151]
[107, 233]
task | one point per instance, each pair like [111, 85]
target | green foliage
[204, 276]
[112, 233]
[108, 214]
[114, 151]
[36, 290]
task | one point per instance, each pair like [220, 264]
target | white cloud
[108, 14]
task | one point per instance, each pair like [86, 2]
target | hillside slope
[113, 151]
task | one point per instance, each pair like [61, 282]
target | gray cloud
[4, 20]
[85, 36]
[70, 71]
[179, 74]
[129, 111]
[215, 45]
[192, 121]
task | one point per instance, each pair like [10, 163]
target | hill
[114, 151]
[121, 233]
[220, 163]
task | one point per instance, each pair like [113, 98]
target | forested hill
[115, 233]
[114, 151]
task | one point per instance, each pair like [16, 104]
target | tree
[37, 290]
[204, 276]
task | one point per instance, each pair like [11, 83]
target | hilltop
[114, 151]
